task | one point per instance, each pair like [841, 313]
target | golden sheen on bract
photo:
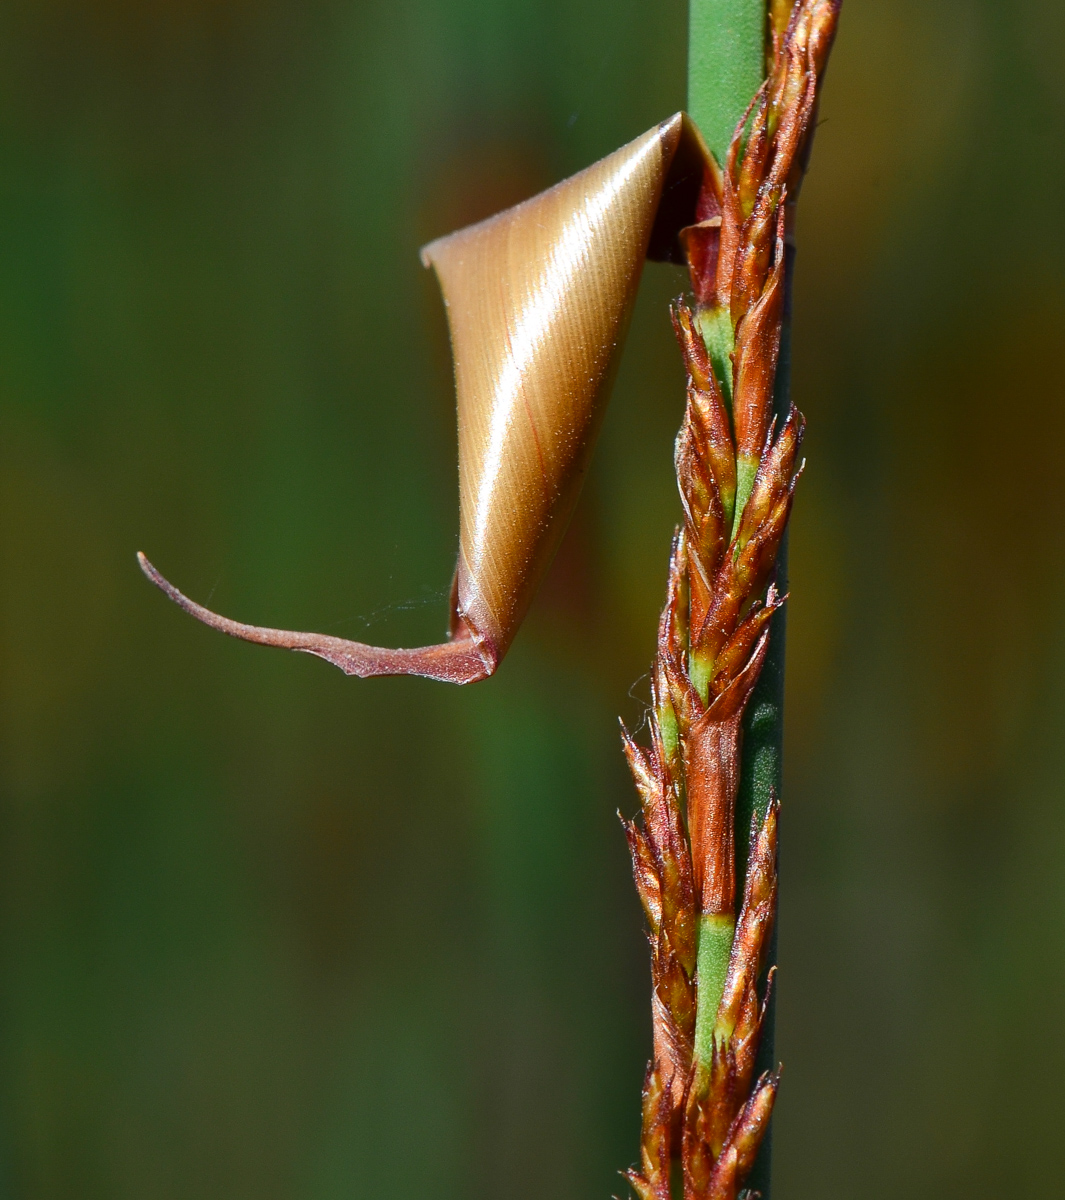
[538, 302]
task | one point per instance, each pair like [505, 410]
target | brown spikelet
[712, 772]
[753, 927]
[756, 174]
[736, 652]
[746, 568]
[692, 346]
[705, 524]
[645, 873]
[756, 354]
[671, 667]
[737, 1155]
[775, 478]
[651, 1182]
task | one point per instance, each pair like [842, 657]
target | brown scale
[538, 301]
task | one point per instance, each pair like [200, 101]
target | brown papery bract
[712, 776]
[755, 358]
[538, 301]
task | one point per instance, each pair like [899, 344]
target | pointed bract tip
[466, 659]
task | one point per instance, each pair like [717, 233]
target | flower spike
[737, 468]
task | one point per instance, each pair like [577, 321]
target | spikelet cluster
[737, 468]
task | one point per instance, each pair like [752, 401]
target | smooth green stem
[726, 65]
[715, 324]
[700, 670]
[746, 470]
[714, 947]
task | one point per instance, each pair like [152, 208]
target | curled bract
[538, 301]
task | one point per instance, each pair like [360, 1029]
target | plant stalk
[726, 66]
[705, 853]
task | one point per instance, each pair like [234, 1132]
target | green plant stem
[726, 65]
[714, 947]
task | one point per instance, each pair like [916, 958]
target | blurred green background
[269, 932]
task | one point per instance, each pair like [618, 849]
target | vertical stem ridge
[726, 65]
[716, 933]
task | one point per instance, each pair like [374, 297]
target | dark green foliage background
[271, 933]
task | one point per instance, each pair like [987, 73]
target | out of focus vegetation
[272, 933]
